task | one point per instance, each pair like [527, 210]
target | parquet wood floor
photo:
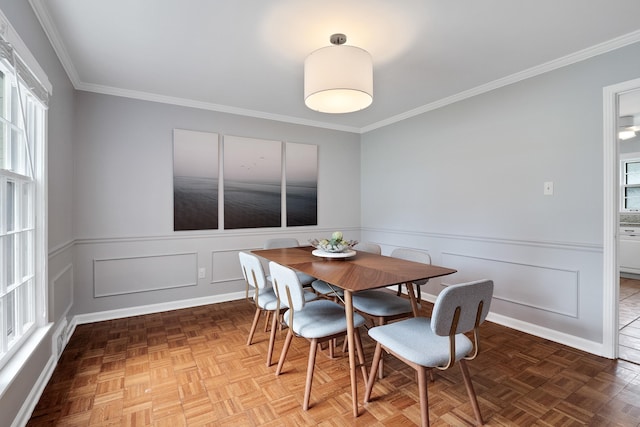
[192, 367]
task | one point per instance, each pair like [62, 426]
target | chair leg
[377, 354]
[470, 391]
[285, 350]
[424, 397]
[253, 325]
[361, 360]
[272, 338]
[267, 317]
[313, 349]
[381, 321]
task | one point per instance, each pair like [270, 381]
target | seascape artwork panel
[195, 180]
[301, 163]
[252, 183]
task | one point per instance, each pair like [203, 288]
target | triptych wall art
[242, 182]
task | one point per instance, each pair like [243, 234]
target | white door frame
[610, 268]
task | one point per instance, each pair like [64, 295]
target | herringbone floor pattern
[192, 367]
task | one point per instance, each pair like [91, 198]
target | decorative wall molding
[80, 319]
[64, 277]
[539, 331]
[225, 266]
[57, 250]
[126, 275]
[216, 234]
[572, 246]
[551, 289]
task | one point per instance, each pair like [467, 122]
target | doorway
[628, 120]
[611, 236]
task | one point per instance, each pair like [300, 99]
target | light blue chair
[318, 321]
[383, 306]
[438, 342]
[288, 242]
[415, 256]
[264, 297]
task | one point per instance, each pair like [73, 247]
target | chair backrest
[462, 307]
[287, 286]
[252, 270]
[413, 255]
[282, 242]
[368, 247]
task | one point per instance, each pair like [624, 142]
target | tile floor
[629, 317]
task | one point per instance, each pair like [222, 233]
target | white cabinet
[629, 256]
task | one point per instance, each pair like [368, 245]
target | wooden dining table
[359, 272]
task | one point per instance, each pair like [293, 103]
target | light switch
[548, 188]
[201, 272]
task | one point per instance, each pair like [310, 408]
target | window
[22, 260]
[630, 184]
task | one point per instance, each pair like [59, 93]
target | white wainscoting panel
[225, 266]
[118, 276]
[62, 295]
[545, 288]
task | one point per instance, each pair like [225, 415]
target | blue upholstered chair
[318, 321]
[438, 342]
[264, 296]
[288, 242]
[384, 306]
[415, 256]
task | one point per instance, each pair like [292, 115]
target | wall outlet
[202, 272]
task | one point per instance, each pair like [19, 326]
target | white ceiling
[246, 56]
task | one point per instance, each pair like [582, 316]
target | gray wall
[467, 183]
[124, 203]
[33, 376]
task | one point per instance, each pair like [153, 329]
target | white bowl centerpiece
[335, 244]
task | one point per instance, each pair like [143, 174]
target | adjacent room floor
[629, 320]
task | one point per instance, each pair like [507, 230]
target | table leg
[412, 298]
[348, 304]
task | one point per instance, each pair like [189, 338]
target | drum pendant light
[338, 78]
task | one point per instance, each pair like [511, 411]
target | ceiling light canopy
[338, 78]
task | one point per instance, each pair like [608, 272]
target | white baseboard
[80, 319]
[549, 334]
[592, 347]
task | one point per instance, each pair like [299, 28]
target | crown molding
[184, 102]
[54, 37]
[564, 61]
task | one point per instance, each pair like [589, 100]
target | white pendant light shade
[338, 79]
